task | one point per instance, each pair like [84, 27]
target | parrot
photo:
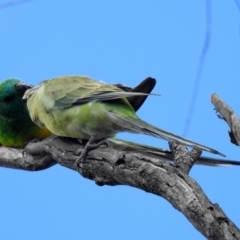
[80, 107]
[16, 126]
[11, 137]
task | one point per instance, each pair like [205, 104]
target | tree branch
[108, 166]
[227, 114]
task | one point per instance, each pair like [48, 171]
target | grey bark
[108, 166]
[227, 114]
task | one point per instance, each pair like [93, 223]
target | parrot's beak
[22, 87]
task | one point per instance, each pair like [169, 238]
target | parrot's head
[11, 93]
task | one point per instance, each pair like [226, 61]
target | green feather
[16, 126]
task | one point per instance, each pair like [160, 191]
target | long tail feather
[139, 126]
[164, 154]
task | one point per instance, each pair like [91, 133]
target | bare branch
[229, 116]
[183, 159]
[108, 166]
[18, 159]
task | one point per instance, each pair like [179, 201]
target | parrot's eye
[18, 87]
[8, 98]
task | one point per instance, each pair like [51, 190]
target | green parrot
[16, 126]
[79, 107]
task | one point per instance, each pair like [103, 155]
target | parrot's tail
[163, 154]
[136, 125]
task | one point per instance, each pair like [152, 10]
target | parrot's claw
[89, 146]
[34, 140]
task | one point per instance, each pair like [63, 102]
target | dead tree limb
[227, 114]
[108, 166]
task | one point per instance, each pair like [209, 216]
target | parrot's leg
[90, 145]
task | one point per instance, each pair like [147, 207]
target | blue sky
[122, 42]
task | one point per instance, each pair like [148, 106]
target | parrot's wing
[124, 87]
[74, 90]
